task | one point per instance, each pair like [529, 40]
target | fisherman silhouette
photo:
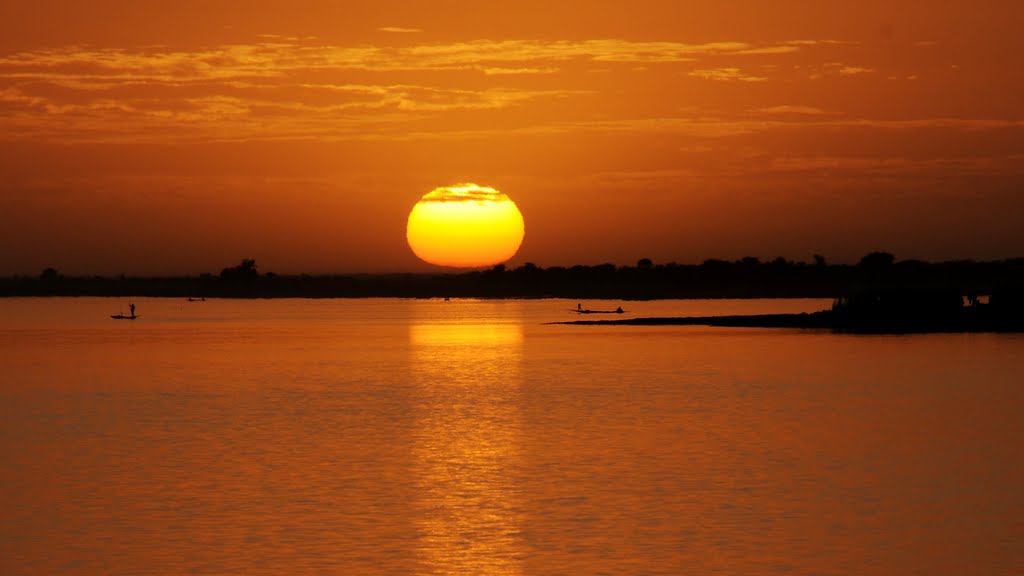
[579, 306]
[132, 307]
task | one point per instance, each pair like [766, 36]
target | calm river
[468, 437]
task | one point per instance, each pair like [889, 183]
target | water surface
[468, 437]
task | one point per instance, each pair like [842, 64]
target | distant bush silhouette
[49, 275]
[246, 270]
[876, 261]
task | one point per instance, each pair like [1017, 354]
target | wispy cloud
[863, 165]
[789, 109]
[291, 87]
[785, 49]
[399, 30]
[854, 70]
[500, 71]
[718, 127]
[281, 82]
[726, 75]
[467, 192]
[348, 111]
[282, 55]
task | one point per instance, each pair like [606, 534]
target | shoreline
[968, 322]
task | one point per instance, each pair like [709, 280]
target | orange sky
[153, 137]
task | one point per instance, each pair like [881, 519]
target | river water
[469, 437]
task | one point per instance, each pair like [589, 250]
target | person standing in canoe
[131, 306]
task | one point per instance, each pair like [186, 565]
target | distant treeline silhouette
[877, 273]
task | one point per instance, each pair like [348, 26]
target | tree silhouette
[246, 270]
[877, 260]
[750, 261]
[50, 274]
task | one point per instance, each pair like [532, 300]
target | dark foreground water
[467, 437]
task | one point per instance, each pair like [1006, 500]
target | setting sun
[465, 226]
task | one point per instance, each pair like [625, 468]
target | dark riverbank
[746, 278]
[977, 318]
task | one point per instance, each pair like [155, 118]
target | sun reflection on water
[467, 446]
